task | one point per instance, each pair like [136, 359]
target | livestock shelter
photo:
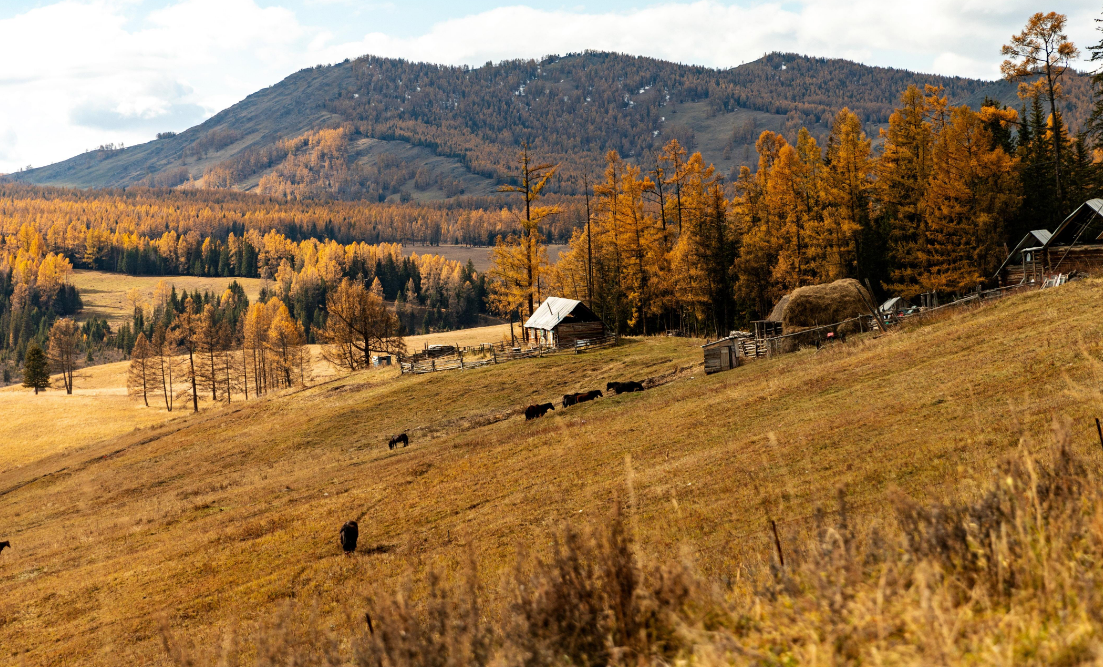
[563, 323]
[1076, 245]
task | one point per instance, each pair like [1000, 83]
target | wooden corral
[563, 323]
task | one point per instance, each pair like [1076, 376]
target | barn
[563, 323]
[1076, 245]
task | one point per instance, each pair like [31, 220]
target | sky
[76, 74]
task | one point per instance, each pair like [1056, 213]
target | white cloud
[79, 73]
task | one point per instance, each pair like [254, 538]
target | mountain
[386, 129]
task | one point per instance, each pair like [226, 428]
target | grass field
[105, 294]
[212, 522]
[480, 256]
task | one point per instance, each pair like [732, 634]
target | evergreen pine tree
[36, 369]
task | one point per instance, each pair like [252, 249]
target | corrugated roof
[550, 313]
[1042, 235]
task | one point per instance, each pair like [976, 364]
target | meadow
[207, 526]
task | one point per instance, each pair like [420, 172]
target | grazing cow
[569, 400]
[534, 411]
[4, 544]
[589, 395]
[397, 439]
[625, 387]
[350, 532]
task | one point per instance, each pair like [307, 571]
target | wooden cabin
[563, 323]
[1076, 245]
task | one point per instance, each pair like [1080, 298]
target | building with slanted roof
[1023, 264]
[562, 323]
[1076, 245]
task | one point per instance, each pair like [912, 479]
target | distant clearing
[104, 294]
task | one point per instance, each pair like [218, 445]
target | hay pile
[819, 305]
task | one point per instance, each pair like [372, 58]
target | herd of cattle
[534, 411]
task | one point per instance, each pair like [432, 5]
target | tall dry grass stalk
[1012, 576]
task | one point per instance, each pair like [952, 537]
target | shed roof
[893, 303]
[554, 310]
[1034, 239]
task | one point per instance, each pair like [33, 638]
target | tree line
[935, 210]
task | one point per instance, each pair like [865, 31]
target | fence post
[461, 360]
[494, 353]
[433, 364]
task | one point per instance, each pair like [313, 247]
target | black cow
[404, 439]
[350, 532]
[589, 395]
[569, 400]
[4, 544]
[624, 387]
[534, 411]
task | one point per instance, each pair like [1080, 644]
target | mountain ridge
[456, 130]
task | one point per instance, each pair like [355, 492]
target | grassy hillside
[427, 132]
[214, 521]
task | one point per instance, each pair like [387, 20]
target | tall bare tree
[186, 332]
[140, 375]
[164, 350]
[1042, 50]
[515, 276]
[62, 350]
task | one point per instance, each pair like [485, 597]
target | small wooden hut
[721, 355]
[563, 323]
[1023, 264]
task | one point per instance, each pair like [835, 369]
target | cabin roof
[1084, 225]
[554, 310]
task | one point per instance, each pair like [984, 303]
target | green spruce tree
[36, 370]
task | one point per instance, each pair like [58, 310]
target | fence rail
[488, 354]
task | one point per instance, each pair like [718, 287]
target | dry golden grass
[217, 520]
[105, 294]
[34, 427]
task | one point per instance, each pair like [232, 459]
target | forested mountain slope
[400, 130]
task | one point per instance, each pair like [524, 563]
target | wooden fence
[487, 354]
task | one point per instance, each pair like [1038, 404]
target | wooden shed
[1024, 263]
[563, 323]
[721, 355]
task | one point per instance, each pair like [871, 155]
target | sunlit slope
[216, 519]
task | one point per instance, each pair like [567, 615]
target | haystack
[821, 305]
